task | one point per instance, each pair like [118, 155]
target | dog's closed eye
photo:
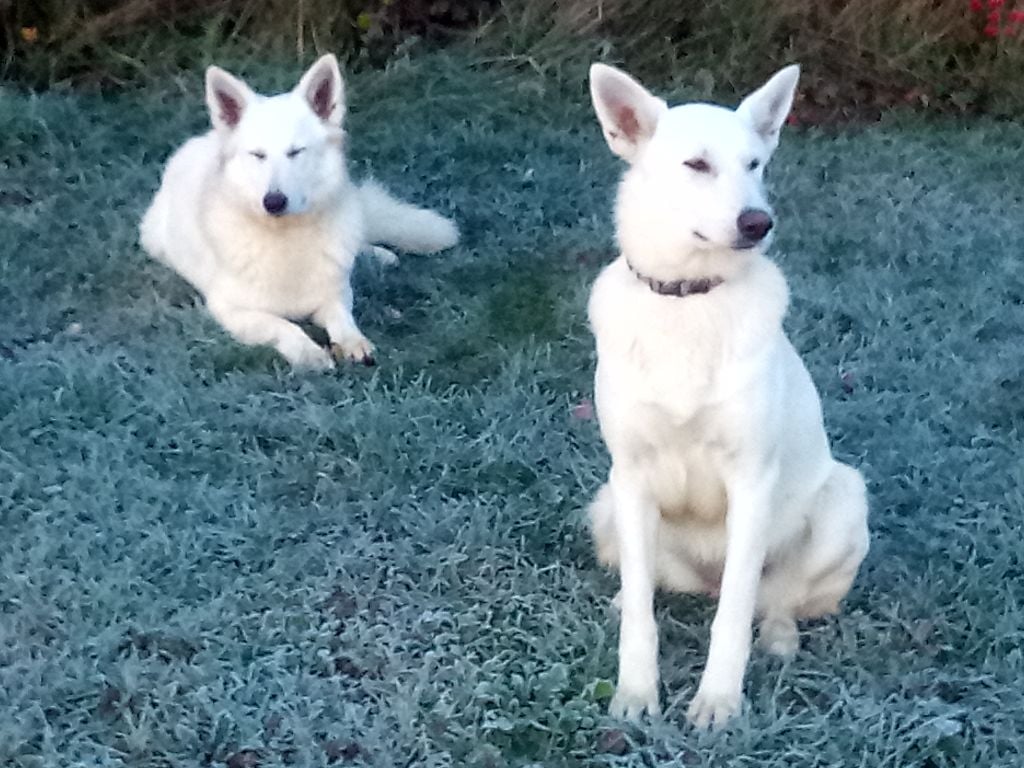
[259, 154]
[294, 151]
[698, 164]
[754, 164]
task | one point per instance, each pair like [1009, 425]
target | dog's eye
[259, 154]
[754, 165]
[294, 151]
[699, 165]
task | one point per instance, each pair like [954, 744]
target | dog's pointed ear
[628, 112]
[768, 107]
[324, 90]
[227, 97]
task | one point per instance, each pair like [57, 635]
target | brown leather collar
[678, 288]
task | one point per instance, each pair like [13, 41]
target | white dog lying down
[722, 479]
[260, 215]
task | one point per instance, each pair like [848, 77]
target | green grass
[204, 553]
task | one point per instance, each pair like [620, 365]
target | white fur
[258, 271]
[722, 478]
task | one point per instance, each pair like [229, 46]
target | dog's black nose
[275, 203]
[754, 224]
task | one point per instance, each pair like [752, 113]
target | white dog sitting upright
[260, 215]
[722, 478]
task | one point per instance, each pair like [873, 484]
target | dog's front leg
[347, 341]
[636, 524]
[251, 326]
[720, 694]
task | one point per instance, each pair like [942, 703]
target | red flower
[992, 30]
[1016, 17]
[993, 17]
[993, 4]
[977, 6]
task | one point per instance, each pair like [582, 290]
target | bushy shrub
[860, 56]
[109, 40]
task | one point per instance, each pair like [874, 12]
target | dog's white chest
[681, 357]
[674, 377]
[286, 271]
[666, 363]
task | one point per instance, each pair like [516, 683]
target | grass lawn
[207, 559]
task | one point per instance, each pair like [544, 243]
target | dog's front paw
[358, 349]
[633, 699]
[308, 355]
[713, 709]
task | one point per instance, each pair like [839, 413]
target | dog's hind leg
[173, 248]
[838, 543]
[385, 256]
[777, 632]
[602, 527]
[153, 227]
[813, 578]
[254, 327]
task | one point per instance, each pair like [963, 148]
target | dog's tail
[389, 221]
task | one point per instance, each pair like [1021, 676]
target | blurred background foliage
[860, 57]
